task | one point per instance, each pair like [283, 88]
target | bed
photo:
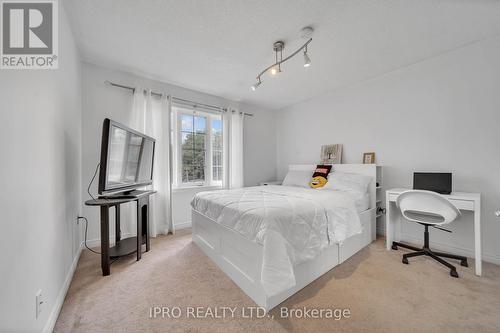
[272, 241]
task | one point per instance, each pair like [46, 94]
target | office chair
[429, 209]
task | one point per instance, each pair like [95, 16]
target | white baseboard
[183, 225]
[452, 249]
[97, 241]
[58, 303]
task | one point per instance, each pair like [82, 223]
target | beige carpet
[382, 294]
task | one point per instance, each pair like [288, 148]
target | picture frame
[369, 158]
[331, 154]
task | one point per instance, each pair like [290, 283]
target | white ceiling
[219, 46]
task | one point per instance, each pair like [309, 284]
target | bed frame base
[241, 259]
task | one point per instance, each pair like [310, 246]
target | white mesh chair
[431, 210]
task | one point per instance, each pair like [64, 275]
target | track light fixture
[278, 47]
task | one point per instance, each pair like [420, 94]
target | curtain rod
[177, 99]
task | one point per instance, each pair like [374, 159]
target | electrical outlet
[39, 302]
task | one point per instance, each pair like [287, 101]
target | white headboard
[362, 169]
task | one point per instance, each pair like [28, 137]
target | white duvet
[292, 223]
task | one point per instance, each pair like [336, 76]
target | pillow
[297, 178]
[345, 181]
[320, 176]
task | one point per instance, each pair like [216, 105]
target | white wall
[442, 114]
[101, 101]
[40, 135]
[259, 146]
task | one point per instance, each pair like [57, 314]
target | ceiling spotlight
[278, 55]
[307, 60]
[256, 85]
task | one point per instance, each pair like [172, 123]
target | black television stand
[123, 247]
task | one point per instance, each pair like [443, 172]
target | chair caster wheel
[454, 274]
[394, 247]
[405, 261]
[464, 263]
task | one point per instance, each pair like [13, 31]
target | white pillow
[298, 178]
[344, 181]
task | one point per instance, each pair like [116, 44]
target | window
[217, 151]
[198, 145]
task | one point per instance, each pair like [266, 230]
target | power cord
[85, 240]
[86, 227]
[92, 180]
[85, 219]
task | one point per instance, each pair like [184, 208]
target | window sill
[191, 188]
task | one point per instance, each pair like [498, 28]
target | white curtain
[151, 116]
[233, 147]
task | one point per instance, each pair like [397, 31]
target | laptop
[439, 182]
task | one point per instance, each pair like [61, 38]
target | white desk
[462, 200]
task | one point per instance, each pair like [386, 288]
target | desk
[462, 200]
[125, 246]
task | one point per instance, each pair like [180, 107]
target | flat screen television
[126, 159]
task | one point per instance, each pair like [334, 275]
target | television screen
[126, 158]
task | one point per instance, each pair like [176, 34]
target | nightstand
[271, 182]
